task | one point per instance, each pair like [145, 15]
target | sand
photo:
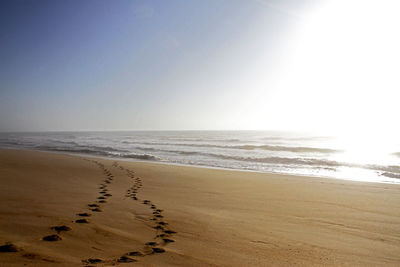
[188, 216]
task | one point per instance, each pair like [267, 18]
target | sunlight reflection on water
[358, 158]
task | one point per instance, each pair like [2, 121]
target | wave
[391, 175]
[244, 147]
[207, 139]
[310, 138]
[287, 148]
[65, 142]
[392, 170]
[389, 171]
[183, 152]
[281, 160]
[140, 156]
[11, 142]
[83, 150]
[233, 153]
[271, 160]
[100, 151]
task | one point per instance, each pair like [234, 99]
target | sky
[199, 65]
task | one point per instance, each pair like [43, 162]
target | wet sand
[61, 210]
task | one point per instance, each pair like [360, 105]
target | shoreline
[395, 181]
[216, 217]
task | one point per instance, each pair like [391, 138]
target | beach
[150, 214]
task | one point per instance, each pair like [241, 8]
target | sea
[303, 154]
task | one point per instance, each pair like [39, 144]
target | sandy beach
[148, 214]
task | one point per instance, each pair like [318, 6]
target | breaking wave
[235, 150]
[244, 147]
[140, 156]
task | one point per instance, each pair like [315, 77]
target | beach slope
[74, 211]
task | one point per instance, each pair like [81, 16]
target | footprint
[97, 210]
[102, 201]
[162, 223]
[135, 253]
[82, 221]
[125, 259]
[158, 250]
[162, 235]
[61, 228]
[151, 244]
[93, 205]
[84, 214]
[8, 247]
[169, 232]
[167, 240]
[92, 260]
[31, 256]
[158, 227]
[52, 238]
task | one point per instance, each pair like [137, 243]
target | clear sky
[199, 65]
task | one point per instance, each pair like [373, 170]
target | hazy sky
[160, 65]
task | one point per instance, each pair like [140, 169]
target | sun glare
[342, 71]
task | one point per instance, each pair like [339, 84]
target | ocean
[262, 151]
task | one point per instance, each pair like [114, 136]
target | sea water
[263, 151]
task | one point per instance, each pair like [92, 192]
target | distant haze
[319, 66]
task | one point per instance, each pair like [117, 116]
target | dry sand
[221, 218]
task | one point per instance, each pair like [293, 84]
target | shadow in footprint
[97, 210]
[84, 214]
[135, 253]
[92, 261]
[151, 244]
[125, 259]
[8, 247]
[82, 221]
[52, 238]
[61, 228]
[158, 250]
